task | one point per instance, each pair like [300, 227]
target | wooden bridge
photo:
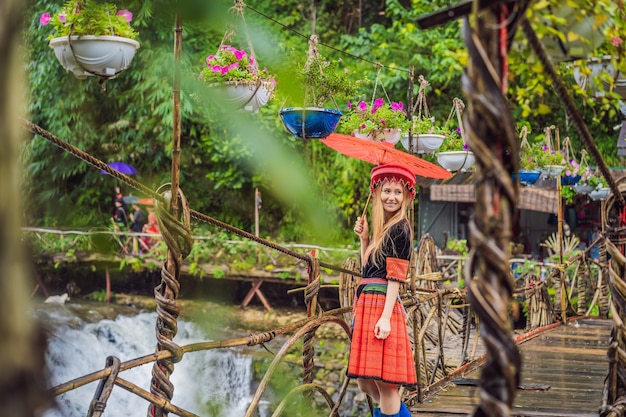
[563, 372]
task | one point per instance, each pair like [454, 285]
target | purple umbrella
[121, 167]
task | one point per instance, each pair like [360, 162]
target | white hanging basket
[582, 188]
[243, 96]
[456, 160]
[426, 142]
[103, 56]
[600, 193]
[550, 171]
[382, 135]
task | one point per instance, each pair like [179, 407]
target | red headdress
[393, 172]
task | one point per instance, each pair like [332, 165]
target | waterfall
[213, 383]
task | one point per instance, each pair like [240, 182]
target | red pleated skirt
[389, 360]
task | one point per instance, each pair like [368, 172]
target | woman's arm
[361, 228]
[383, 325]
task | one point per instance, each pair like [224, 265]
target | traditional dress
[391, 359]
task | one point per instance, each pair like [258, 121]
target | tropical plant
[382, 115]
[232, 64]
[326, 80]
[85, 17]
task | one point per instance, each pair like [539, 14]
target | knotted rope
[177, 235]
[492, 138]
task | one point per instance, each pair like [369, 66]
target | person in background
[151, 227]
[119, 218]
[381, 358]
[138, 219]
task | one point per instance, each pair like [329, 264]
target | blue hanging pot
[528, 176]
[569, 180]
[310, 122]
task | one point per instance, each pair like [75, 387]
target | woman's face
[391, 195]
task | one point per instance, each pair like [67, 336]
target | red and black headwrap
[393, 172]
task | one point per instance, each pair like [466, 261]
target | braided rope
[491, 136]
[179, 243]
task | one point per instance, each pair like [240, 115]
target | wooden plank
[571, 360]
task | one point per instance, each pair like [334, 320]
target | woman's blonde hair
[380, 227]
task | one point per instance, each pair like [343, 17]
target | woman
[381, 358]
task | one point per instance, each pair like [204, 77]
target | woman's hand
[361, 228]
[382, 328]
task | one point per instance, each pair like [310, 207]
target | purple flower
[62, 17]
[465, 147]
[349, 104]
[44, 19]
[127, 15]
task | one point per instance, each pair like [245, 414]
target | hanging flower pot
[236, 80]
[380, 135]
[456, 160]
[600, 193]
[570, 179]
[426, 142]
[231, 95]
[310, 122]
[549, 171]
[92, 39]
[528, 176]
[583, 188]
[103, 56]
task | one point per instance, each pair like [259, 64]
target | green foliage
[325, 80]
[86, 17]
[99, 296]
[459, 245]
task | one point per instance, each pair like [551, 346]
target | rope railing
[96, 163]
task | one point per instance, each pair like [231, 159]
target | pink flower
[128, 16]
[349, 104]
[379, 102]
[44, 19]
[209, 59]
[62, 17]
[616, 41]
[362, 106]
[397, 106]
[216, 68]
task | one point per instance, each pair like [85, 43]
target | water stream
[211, 383]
